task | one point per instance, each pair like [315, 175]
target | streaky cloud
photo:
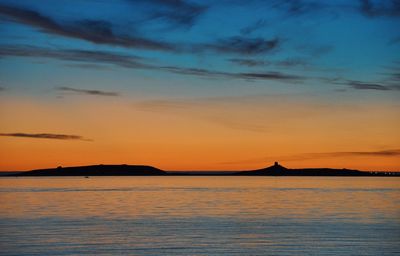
[88, 66]
[248, 62]
[269, 76]
[379, 153]
[311, 156]
[88, 92]
[176, 12]
[86, 56]
[45, 136]
[259, 63]
[393, 72]
[243, 45]
[253, 27]
[372, 9]
[239, 75]
[389, 152]
[369, 86]
[298, 7]
[94, 31]
[128, 61]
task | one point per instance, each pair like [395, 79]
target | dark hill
[279, 170]
[97, 170]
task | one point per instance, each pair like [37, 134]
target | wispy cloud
[248, 62]
[308, 156]
[239, 75]
[243, 45]
[372, 86]
[179, 13]
[298, 7]
[45, 136]
[393, 73]
[367, 86]
[388, 152]
[253, 27]
[269, 76]
[389, 8]
[293, 62]
[88, 66]
[127, 61]
[94, 31]
[89, 92]
[86, 56]
[311, 156]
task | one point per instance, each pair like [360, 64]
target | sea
[202, 215]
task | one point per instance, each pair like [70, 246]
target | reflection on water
[200, 216]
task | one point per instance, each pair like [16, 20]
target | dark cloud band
[45, 136]
[94, 31]
[89, 92]
[373, 86]
[137, 62]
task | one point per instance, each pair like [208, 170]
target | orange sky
[210, 133]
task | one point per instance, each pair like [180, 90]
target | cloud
[89, 92]
[45, 136]
[307, 156]
[372, 86]
[243, 45]
[88, 66]
[86, 56]
[292, 63]
[393, 72]
[268, 76]
[253, 27]
[177, 12]
[248, 62]
[298, 7]
[372, 9]
[94, 31]
[239, 75]
[129, 61]
[259, 63]
[389, 152]
[311, 156]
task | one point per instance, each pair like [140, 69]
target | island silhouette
[97, 170]
[146, 170]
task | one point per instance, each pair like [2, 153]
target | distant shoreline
[145, 170]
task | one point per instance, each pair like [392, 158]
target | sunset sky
[200, 85]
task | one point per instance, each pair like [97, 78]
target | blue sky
[330, 45]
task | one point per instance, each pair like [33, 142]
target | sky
[200, 85]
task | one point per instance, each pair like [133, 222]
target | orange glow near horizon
[201, 135]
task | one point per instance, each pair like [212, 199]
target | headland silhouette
[97, 170]
[146, 170]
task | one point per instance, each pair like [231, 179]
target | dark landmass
[279, 170]
[144, 170]
[97, 170]
[9, 173]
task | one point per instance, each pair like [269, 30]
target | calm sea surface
[200, 216]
